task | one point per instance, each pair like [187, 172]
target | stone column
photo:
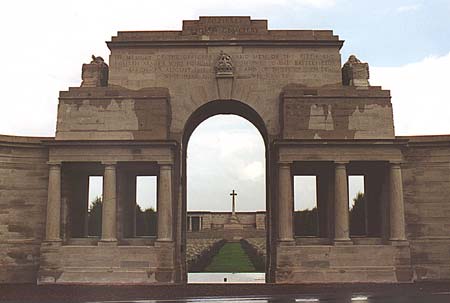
[52, 228]
[132, 204]
[109, 214]
[285, 203]
[341, 213]
[396, 207]
[165, 203]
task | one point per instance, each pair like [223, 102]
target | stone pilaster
[52, 228]
[109, 213]
[396, 206]
[341, 213]
[165, 203]
[285, 203]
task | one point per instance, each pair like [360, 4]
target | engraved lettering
[267, 66]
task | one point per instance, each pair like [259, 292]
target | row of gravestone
[259, 244]
[255, 248]
[200, 251]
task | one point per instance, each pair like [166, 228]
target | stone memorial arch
[242, 109]
[134, 117]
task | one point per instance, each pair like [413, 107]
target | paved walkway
[231, 258]
[227, 277]
[327, 293]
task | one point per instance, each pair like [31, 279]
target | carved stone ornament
[95, 74]
[97, 60]
[355, 72]
[224, 65]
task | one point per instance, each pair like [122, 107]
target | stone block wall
[106, 264]
[426, 179]
[261, 220]
[346, 263]
[230, 234]
[216, 220]
[113, 114]
[336, 113]
[23, 200]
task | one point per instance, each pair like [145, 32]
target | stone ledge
[114, 92]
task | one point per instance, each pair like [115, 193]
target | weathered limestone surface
[109, 209]
[341, 221]
[106, 264]
[346, 263]
[336, 113]
[100, 113]
[216, 220]
[23, 200]
[285, 202]
[95, 74]
[289, 84]
[185, 64]
[355, 72]
[426, 184]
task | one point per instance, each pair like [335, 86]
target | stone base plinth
[233, 226]
[378, 263]
[107, 264]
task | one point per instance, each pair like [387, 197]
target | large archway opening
[225, 195]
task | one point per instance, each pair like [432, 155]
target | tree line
[306, 222]
[145, 220]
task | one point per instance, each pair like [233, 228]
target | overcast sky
[44, 44]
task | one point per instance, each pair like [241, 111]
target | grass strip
[231, 258]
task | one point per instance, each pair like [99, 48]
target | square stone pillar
[341, 212]
[165, 203]
[52, 227]
[285, 203]
[396, 204]
[132, 204]
[109, 212]
[260, 220]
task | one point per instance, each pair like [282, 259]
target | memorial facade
[134, 117]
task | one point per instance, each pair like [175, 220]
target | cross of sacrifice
[233, 194]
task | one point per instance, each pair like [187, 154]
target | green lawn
[231, 258]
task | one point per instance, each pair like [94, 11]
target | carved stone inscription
[224, 26]
[201, 66]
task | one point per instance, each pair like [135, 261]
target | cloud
[408, 8]
[252, 4]
[253, 171]
[48, 41]
[420, 95]
[226, 152]
[317, 3]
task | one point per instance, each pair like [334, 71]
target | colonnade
[341, 209]
[285, 203]
[109, 209]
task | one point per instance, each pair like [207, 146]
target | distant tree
[145, 221]
[305, 222]
[358, 215]
[95, 217]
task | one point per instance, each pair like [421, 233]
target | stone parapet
[113, 114]
[343, 264]
[426, 189]
[209, 29]
[336, 113]
[107, 265]
[23, 199]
